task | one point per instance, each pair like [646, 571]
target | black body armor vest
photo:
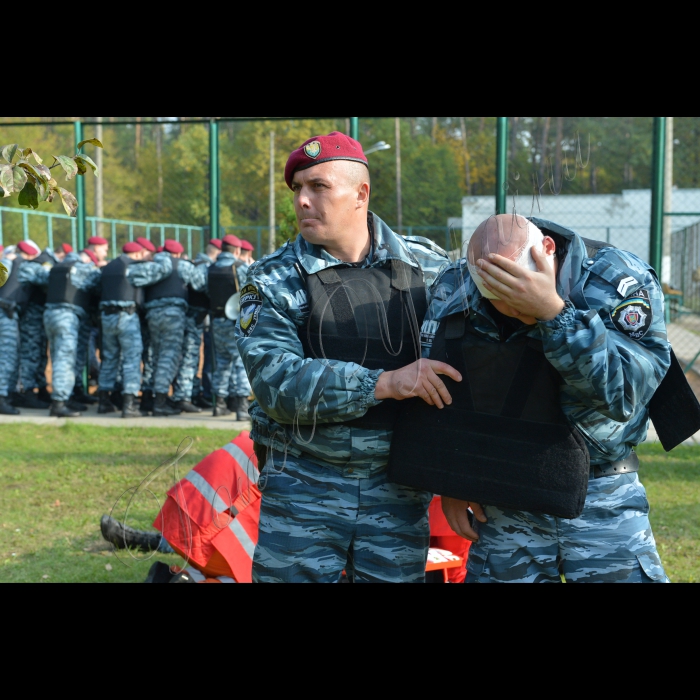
[63, 291]
[371, 317]
[36, 294]
[116, 285]
[223, 284]
[13, 295]
[198, 300]
[504, 441]
[170, 288]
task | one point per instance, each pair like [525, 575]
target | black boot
[201, 401]
[162, 409]
[242, 408]
[187, 407]
[232, 403]
[117, 399]
[17, 400]
[79, 396]
[32, 401]
[129, 409]
[147, 402]
[44, 395]
[59, 409]
[106, 406]
[6, 408]
[121, 537]
[73, 405]
[221, 409]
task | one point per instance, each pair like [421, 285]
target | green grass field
[56, 483]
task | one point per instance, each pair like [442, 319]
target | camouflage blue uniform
[230, 378]
[191, 352]
[326, 500]
[167, 320]
[122, 345]
[9, 342]
[610, 375]
[68, 331]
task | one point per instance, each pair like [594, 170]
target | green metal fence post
[214, 179]
[658, 184]
[501, 164]
[25, 225]
[80, 193]
[355, 128]
[49, 232]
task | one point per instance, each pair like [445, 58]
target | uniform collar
[386, 246]
[226, 258]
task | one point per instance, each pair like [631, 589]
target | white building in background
[621, 219]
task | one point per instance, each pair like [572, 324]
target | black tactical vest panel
[14, 296]
[170, 288]
[198, 300]
[504, 441]
[63, 291]
[223, 284]
[36, 294]
[116, 285]
[371, 317]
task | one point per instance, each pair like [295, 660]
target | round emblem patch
[635, 316]
[313, 149]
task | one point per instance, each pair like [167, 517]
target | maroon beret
[247, 246]
[173, 247]
[145, 243]
[28, 248]
[233, 241]
[322, 149]
[216, 243]
[133, 248]
[66, 248]
[160, 249]
[92, 256]
[97, 240]
[2, 247]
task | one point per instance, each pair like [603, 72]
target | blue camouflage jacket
[85, 276]
[196, 277]
[609, 345]
[143, 274]
[303, 404]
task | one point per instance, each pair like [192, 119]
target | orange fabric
[459, 547]
[211, 518]
[439, 527]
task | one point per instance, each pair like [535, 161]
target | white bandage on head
[512, 237]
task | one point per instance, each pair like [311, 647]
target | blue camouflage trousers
[612, 542]
[33, 348]
[122, 347]
[147, 358]
[63, 331]
[184, 384]
[167, 328]
[230, 378]
[9, 355]
[317, 522]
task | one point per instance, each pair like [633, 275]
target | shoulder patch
[251, 306]
[634, 316]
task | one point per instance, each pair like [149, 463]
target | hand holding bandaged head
[512, 237]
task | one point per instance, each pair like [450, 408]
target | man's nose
[303, 200]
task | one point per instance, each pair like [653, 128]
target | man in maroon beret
[330, 337]
[100, 247]
[147, 246]
[61, 251]
[247, 250]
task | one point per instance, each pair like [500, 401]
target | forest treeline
[160, 172]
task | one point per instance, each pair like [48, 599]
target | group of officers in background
[153, 314]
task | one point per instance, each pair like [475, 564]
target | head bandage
[508, 236]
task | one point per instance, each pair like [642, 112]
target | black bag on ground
[505, 441]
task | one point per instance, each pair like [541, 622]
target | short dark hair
[226, 248]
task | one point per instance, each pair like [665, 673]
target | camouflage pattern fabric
[316, 523]
[167, 328]
[9, 357]
[611, 543]
[147, 357]
[240, 384]
[194, 276]
[81, 356]
[122, 347]
[303, 404]
[610, 374]
[63, 330]
[184, 384]
[144, 274]
[33, 347]
[225, 356]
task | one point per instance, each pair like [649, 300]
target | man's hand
[457, 516]
[419, 379]
[531, 293]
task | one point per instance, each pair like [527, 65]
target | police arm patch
[634, 316]
[251, 306]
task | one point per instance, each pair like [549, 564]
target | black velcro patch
[634, 316]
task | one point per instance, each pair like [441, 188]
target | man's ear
[363, 195]
[550, 247]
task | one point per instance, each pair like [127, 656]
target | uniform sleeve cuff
[566, 319]
[369, 389]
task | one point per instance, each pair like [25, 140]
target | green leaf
[68, 164]
[20, 178]
[70, 203]
[40, 172]
[82, 168]
[8, 152]
[94, 142]
[27, 152]
[7, 179]
[87, 161]
[29, 197]
[43, 191]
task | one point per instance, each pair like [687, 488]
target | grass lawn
[56, 483]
